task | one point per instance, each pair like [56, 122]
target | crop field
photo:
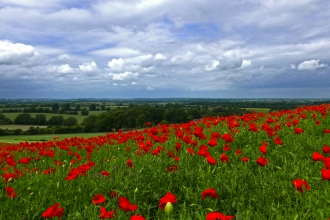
[79, 117]
[255, 166]
[263, 110]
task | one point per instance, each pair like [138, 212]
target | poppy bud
[168, 208]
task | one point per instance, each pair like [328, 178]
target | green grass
[23, 127]
[79, 117]
[46, 137]
[262, 110]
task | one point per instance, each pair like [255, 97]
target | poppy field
[255, 166]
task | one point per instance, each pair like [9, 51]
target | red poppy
[278, 141]
[317, 122]
[224, 158]
[325, 174]
[211, 160]
[263, 149]
[218, 216]
[10, 161]
[245, 159]
[209, 192]
[226, 147]
[53, 211]
[173, 168]
[262, 161]
[98, 199]
[238, 152]
[169, 197]
[298, 184]
[11, 192]
[212, 143]
[129, 163]
[73, 174]
[326, 149]
[137, 217]
[327, 162]
[191, 151]
[227, 137]
[104, 214]
[326, 131]
[113, 194]
[317, 157]
[105, 173]
[125, 204]
[298, 130]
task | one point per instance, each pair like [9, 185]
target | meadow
[255, 166]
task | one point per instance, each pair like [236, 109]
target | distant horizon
[164, 48]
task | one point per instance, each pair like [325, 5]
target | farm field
[256, 166]
[79, 117]
[263, 110]
[23, 127]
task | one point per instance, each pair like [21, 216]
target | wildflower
[263, 149]
[298, 130]
[325, 174]
[53, 211]
[262, 161]
[98, 199]
[326, 149]
[226, 147]
[129, 163]
[125, 204]
[218, 216]
[317, 157]
[278, 141]
[173, 168]
[105, 173]
[11, 192]
[104, 214]
[209, 192]
[224, 158]
[245, 159]
[298, 184]
[137, 217]
[169, 197]
[212, 143]
[113, 194]
[211, 160]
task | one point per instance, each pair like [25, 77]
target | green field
[23, 127]
[79, 117]
[46, 137]
[263, 110]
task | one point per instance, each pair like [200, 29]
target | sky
[164, 49]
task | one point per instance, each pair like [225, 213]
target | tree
[55, 107]
[23, 119]
[70, 121]
[102, 107]
[55, 120]
[92, 107]
[84, 112]
[141, 120]
[4, 120]
[89, 123]
[66, 107]
[40, 119]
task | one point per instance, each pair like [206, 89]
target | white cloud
[116, 52]
[245, 64]
[116, 64]
[311, 65]
[292, 66]
[63, 57]
[160, 56]
[15, 53]
[66, 68]
[88, 67]
[213, 66]
[123, 76]
[150, 88]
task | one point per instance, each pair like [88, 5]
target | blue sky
[164, 48]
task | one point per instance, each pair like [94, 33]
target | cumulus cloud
[311, 65]
[88, 67]
[116, 64]
[160, 56]
[15, 53]
[66, 68]
[213, 66]
[123, 76]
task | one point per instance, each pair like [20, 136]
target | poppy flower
[238, 152]
[262, 161]
[11, 192]
[53, 211]
[98, 199]
[326, 149]
[326, 162]
[218, 216]
[226, 147]
[298, 184]
[209, 192]
[224, 158]
[173, 168]
[105, 173]
[129, 163]
[211, 160]
[169, 197]
[317, 157]
[278, 141]
[125, 204]
[104, 214]
[227, 137]
[113, 194]
[191, 151]
[298, 130]
[212, 143]
[245, 159]
[263, 149]
[325, 174]
[137, 217]
[326, 131]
